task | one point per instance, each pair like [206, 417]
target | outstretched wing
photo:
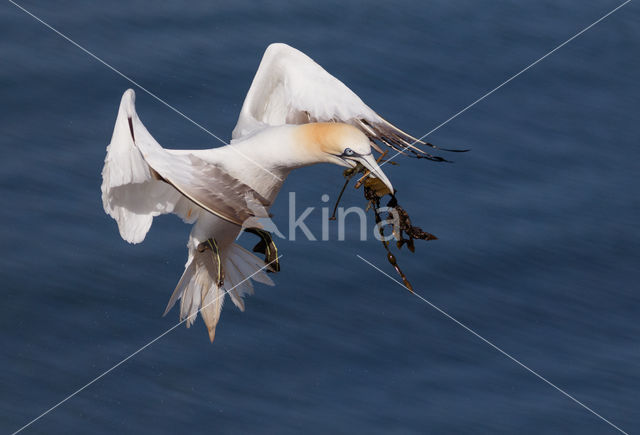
[206, 184]
[141, 180]
[290, 88]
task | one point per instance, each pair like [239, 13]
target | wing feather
[140, 171]
[130, 194]
[290, 88]
[209, 186]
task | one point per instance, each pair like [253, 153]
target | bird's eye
[348, 152]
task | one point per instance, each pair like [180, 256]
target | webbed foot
[267, 247]
[212, 245]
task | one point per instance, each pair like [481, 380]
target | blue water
[538, 226]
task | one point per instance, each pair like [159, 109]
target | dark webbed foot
[211, 245]
[267, 247]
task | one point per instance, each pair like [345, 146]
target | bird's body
[288, 121]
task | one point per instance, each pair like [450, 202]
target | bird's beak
[370, 163]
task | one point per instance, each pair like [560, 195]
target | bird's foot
[212, 245]
[267, 247]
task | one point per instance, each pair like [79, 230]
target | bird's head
[340, 144]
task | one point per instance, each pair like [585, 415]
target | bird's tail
[198, 289]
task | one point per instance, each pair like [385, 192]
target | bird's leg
[212, 245]
[267, 247]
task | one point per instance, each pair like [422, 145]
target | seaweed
[404, 232]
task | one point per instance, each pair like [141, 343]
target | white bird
[295, 114]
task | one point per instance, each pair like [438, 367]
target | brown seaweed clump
[403, 230]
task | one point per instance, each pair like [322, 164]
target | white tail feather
[231, 283]
[185, 280]
[212, 302]
[197, 289]
[249, 264]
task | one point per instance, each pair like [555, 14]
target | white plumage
[295, 114]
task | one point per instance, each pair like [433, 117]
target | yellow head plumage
[338, 143]
[326, 139]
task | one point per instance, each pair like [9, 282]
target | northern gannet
[295, 114]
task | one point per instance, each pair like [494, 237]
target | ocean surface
[538, 225]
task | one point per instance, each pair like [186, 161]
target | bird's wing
[130, 193]
[290, 88]
[206, 184]
[141, 180]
